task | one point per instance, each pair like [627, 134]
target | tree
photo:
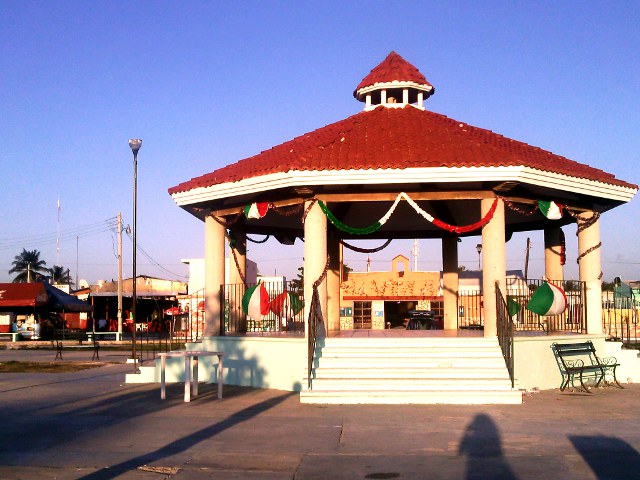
[608, 286]
[571, 286]
[60, 275]
[29, 267]
[346, 269]
[297, 284]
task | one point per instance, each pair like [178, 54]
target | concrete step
[418, 370]
[148, 374]
[470, 373]
[421, 397]
[409, 352]
[408, 363]
[421, 342]
[411, 384]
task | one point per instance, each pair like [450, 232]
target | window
[361, 315]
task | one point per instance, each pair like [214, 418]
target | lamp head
[479, 247]
[135, 144]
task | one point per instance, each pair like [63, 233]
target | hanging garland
[518, 209]
[264, 240]
[235, 259]
[224, 222]
[346, 228]
[312, 202]
[438, 223]
[287, 211]
[469, 228]
[583, 224]
[366, 250]
[322, 276]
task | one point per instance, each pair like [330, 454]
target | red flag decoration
[256, 210]
[548, 299]
[286, 304]
[255, 302]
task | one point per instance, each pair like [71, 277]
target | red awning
[23, 295]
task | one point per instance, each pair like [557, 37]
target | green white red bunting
[286, 305]
[256, 210]
[548, 299]
[255, 302]
[550, 209]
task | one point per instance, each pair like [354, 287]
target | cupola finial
[394, 83]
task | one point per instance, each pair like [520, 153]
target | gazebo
[394, 170]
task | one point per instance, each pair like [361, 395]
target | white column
[553, 254]
[213, 274]
[315, 258]
[590, 267]
[333, 284]
[494, 264]
[450, 282]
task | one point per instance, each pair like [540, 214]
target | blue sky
[205, 84]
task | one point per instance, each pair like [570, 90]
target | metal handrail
[505, 332]
[312, 326]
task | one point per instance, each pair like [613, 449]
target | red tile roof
[397, 138]
[393, 68]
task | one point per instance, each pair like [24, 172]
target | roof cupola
[394, 83]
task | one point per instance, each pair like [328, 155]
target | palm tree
[60, 275]
[29, 267]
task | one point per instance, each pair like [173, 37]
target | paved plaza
[91, 425]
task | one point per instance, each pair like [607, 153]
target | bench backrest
[584, 350]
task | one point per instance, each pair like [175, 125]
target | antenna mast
[58, 234]
[415, 251]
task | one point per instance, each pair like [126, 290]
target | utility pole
[526, 259]
[119, 276]
[77, 264]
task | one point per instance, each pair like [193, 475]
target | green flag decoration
[550, 209]
[548, 299]
[513, 306]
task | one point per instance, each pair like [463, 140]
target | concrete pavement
[90, 425]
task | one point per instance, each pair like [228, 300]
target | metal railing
[315, 314]
[470, 310]
[285, 315]
[505, 332]
[149, 344]
[572, 320]
[620, 317]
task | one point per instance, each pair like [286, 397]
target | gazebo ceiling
[366, 159]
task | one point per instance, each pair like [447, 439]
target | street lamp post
[479, 250]
[135, 145]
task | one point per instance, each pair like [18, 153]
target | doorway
[396, 313]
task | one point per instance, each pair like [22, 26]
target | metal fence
[620, 317]
[505, 332]
[283, 313]
[573, 319]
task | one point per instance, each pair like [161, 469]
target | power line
[151, 259]
[37, 240]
